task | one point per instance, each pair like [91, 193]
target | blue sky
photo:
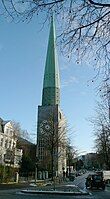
[22, 60]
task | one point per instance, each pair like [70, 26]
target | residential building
[10, 155]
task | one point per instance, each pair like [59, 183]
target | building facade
[51, 124]
[9, 154]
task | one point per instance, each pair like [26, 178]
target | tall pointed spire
[51, 84]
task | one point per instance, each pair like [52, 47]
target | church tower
[51, 125]
[51, 84]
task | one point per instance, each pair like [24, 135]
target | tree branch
[50, 3]
[94, 21]
[99, 4]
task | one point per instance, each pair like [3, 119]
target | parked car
[95, 181]
[105, 174]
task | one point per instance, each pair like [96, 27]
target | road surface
[15, 193]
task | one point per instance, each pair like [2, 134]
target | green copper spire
[51, 84]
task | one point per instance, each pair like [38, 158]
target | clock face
[47, 127]
[44, 126]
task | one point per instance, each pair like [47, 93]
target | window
[6, 143]
[1, 142]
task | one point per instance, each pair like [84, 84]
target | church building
[51, 124]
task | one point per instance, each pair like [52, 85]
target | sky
[22, 60]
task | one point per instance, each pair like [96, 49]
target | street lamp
[36, 169]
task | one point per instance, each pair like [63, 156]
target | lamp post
[36, 170]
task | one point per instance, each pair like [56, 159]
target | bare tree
[70, 152]
[104, 92]
[17, 129]
[102, 134]
[84, 26]
[19, 132]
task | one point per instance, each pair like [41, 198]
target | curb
[54, 192]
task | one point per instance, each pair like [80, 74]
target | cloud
[71, 80]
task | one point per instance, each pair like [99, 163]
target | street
[96, 194]
[80, 181]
